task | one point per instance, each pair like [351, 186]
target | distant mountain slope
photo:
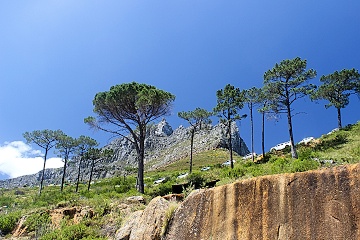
[163, 146]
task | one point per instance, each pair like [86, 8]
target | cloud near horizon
[18, 158]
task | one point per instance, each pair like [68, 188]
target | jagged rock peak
[163, 129]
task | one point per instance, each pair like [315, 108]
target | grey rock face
[163, 145]
[163, 129]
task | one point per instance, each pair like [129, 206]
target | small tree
[45, 139]
[66, 146]
[286, 83]
[84, 144]
[229, 101]
[253, 97]
[198, 119]
[130, 107]
[264, 109]
[337, 88]
[95, 155]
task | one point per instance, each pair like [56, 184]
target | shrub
[235, 173]
[196, 179]
[37, 221]
[304, 165]
[8, 222]
[72, 232]
[161, 189]
[123, 186]
[5, 201]
[307, 154]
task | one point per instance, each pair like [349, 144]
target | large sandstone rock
[322, 204]
[131, 223]
[146, 224]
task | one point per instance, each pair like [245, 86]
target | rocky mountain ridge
[163, 146]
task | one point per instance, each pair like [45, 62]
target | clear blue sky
[56, 55]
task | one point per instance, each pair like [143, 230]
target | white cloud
[18, 159]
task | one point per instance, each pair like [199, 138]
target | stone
[124, 232]
[319, 204]
[136, 199]
[146, 224]
[163, 129]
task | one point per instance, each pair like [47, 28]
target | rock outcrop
[163, 146]
[146, 224]
[322, 204]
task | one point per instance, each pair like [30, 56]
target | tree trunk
[141, 168]
[78, 175]
[43, 172]
[252, 132]
[230, 144]
[63, 176]
[339, 118]
[263, 135]
[191, 148]
[293, 149]
[141, 156]
[91, 173]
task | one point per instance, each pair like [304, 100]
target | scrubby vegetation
[107, 197]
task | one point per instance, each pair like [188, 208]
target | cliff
[321, 204]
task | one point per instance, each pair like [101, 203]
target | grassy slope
[105, 196]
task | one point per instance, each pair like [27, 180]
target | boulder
[136, 199]
[146, 224]
[320, 204]
[131, 223]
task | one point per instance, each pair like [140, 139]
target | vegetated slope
[342, 146]
[251, 197]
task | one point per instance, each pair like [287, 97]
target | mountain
[163, 146]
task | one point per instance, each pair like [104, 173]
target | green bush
[72, 232]
[307, 154]
[235, 173]
[8, 222]
[5, 201]
[37, 221]
[196, 179]
[299, 165]
[123, 185]
[160, 189]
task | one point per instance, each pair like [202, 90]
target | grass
[107, 195]
[342, 146]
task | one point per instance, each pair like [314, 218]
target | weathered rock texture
[323, 204]
[146, 224]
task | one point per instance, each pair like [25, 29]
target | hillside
[286, 204]
[163, 146]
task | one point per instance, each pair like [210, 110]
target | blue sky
[56, 55]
